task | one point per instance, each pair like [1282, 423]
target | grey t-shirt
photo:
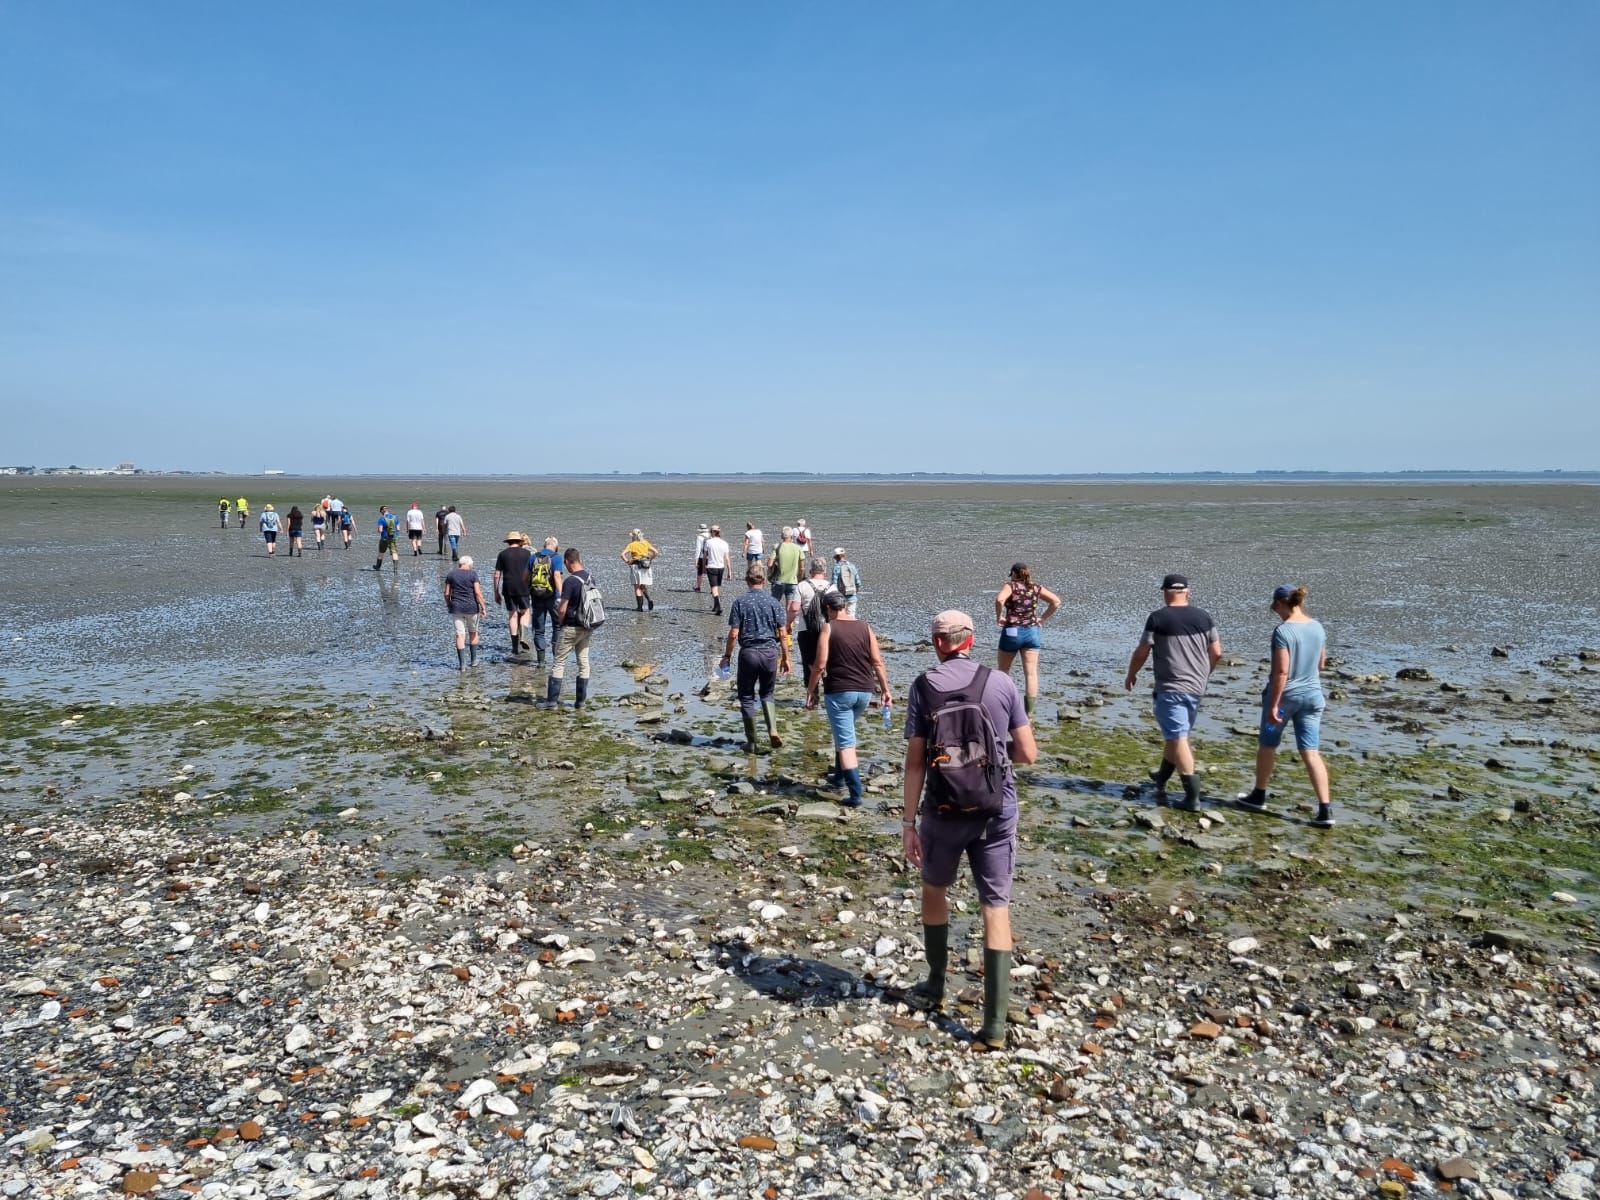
[1182, 636]
[1304, 641]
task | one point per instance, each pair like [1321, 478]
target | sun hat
[1175, 583]
[267, 507]
[951, 622]
[516, 537]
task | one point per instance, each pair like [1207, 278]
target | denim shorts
[844, 709]
[1020, 637]
[783, 592]
[1304, 711]
[1175, 713]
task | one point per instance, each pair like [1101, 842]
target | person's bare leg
[1178, 752]
[1317, 772]
[1267, 762]
[1030, 680]
[997, 927]
[1004, 660]
[935, 905]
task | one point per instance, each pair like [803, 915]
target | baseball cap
[951, 622]
[1283, 591]
[838, 551]
[1175, 583]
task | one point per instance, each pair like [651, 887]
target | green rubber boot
[996, 997]
[769, 710]
[928, 996]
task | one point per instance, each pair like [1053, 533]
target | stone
[1454, 1169]
[752, 1141]
[1205, 1030]
[136, 1183]
[1244, 945]
[250, 1131]
[821, 811]
[298, 1039]
[1414, 674]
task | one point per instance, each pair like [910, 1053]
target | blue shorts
[844, 709]
[783, 592]
[270, 534]
[1020, 637]
[1304, 711]
[1175, 713]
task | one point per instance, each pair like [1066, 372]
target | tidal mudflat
[289, 908]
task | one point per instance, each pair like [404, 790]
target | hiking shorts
[714, 576]
[990, 847]
[466, 624]
[1175, 713]
[517, 601]
[1020, 637]
[271, 535]
[1304, 712]
[844, 710]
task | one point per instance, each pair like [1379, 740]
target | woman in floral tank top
[1017, 612]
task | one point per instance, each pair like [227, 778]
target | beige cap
[950, 622]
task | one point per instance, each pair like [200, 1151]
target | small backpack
[591, 604]
[849, 579]
[542, 576]
[813, 614]
[966, 760]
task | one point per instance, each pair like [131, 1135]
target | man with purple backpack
[965, 727]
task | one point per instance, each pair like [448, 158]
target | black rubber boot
[552, 693]
[461, 660]
[996, 996]
[1191, 793]
[472, 655]
[582, 693]
[928, 996]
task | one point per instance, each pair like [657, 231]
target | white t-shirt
[455, 525]
[752, 541]
[414, 519]
[716, 554]
[700, 541]
[336, 506]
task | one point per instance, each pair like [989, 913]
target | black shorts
[714, 576]
[414, 534]
[518, 602]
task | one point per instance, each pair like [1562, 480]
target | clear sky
[527, 237]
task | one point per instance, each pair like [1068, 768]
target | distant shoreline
[916, 477]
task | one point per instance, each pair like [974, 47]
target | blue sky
[369, 237]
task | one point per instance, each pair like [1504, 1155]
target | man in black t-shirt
[438, 524]
[512, 587]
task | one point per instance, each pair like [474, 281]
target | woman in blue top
[1293, 694]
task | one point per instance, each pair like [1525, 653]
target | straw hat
[516, 537]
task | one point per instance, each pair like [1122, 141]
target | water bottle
[888, 715]
[724, 670]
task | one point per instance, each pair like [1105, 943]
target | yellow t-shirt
[638, 552]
